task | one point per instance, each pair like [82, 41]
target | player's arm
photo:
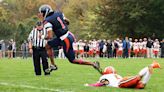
[102, 82]
[49, 31]
[94, 85]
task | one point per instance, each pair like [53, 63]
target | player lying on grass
[111, 79]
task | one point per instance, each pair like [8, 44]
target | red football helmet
[109, 70]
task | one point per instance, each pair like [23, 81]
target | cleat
[51, 68]
[96, 65]
[155, 64]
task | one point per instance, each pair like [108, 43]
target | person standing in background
[10, 49]
[126, 47]
[61, 53]
[37, 48]
[131, 47]
[101, 45]
[162, 48]
[149, 48]
[0, 48]
[24, 48]
[14, 48]
[109, 49]
[115, 44]
[86, 49]
[156, 48]
[3, 49]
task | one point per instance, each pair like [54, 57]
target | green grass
[17, 75]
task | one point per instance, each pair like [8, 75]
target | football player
[55, 24]
[110, 78]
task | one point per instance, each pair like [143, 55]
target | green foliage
[88, 18]
[134, 18]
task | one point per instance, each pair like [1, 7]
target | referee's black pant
[40, 54]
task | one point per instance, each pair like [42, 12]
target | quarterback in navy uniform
[55, 23]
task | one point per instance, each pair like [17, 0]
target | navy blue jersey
[56, 20]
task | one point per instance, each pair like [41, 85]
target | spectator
[105, 50]
[3, 49]
[109, 49]
[24, 48]
[14, 48]
[10, 49]
[61, 53]
[101, 45]
[149, 48]
[162, 48]
[115, 44]
[126, 47]
[86, 50]
[0, 48]
[131, 47]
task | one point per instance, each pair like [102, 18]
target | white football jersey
[113, 79]
[94, 43]
[81, 45]
[140, 44]
[131, 44]
[120, 46]
[75, 45]
[156, 46]
[135, 45]
[144, 44]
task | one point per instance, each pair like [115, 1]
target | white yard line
[32, 87]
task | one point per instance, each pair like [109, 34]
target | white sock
[143, 71]
[146, 77]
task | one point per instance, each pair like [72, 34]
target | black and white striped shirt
[35, 39]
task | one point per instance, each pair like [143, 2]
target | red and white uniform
[114, 79]
[95, 46]
[81, 47]
[131, 45]
[120, 49]
[75, 47]
[140, 44]
[144, 51]
[135, 47]
[156, 48]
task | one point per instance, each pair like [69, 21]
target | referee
[37, 48]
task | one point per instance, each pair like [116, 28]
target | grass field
[17, 75]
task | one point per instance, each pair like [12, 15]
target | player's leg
[146, 73]
[70, 54]
[55, 42]
[140, 80]
[129, 82]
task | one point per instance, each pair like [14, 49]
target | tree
[134, 18]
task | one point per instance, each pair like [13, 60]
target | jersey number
[61, 22]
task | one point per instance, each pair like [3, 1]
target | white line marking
[32, 87]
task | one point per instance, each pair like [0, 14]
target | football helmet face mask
[45, 10]
[109, 70]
